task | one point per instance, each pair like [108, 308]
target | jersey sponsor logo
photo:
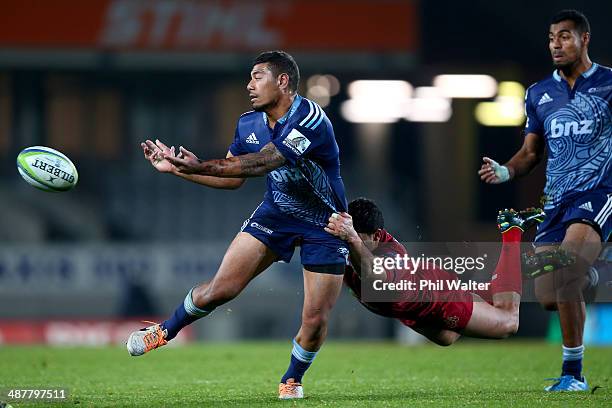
[580, 162]
[600, 89]
[246, 222]
[285, 175]
[297, 142]
[545, 99]
[572, 127]
[310, 198]
[586, 206]
[262, 228]
[252, 139]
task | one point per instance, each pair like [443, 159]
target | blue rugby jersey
[577, 126]
[308, 186]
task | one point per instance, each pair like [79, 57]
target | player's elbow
[446, 342]
[533, 158]
[530, 157]
[446, 338]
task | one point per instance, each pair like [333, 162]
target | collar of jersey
[585, 74]
[296, 103]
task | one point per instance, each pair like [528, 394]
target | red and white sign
[76, 332]
[207, 25]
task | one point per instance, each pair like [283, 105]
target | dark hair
[281, 63]
[367, 217]
[580, 21]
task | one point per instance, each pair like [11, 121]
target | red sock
[507, 276]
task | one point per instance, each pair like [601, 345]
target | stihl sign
[192, 25]
[189, 24]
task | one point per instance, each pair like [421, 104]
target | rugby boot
[567, 383]
[290, 390]
[523, 220]
[539, 264]
[146, 339]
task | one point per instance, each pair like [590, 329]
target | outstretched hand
[341, 226]
[491, 172]
[156, 152]
[186, 162]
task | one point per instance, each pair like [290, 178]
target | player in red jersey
[440, 315]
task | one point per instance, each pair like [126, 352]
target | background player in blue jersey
[569, 113]
[290, 139]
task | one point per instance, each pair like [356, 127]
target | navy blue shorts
[593, 208]
[282, 233]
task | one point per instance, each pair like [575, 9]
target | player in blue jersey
[290, 139]
[569, 115]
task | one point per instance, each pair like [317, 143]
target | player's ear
[586, 38]
[377, 235]
[283, 81]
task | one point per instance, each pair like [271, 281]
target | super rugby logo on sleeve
[297, 142]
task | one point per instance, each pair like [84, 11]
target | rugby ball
[47, 169]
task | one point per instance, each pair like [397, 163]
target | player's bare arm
[247, 165]
[341, 226]
[528, 157]
[521, 164]
[155, 152]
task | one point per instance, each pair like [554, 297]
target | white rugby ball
[47, 169]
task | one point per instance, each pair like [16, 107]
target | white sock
[573, 353]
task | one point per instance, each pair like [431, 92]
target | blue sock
[572, 361]
[300, 361]
[185, 314]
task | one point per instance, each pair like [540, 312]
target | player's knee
[314, 321]
[547, 299]
[549, 305]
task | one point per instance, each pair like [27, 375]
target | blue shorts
[282, 233]
[592, 207]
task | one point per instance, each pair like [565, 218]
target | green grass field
[344, 374]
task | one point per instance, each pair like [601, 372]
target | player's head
[568, 38]
[274, 74]
[368, 221]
